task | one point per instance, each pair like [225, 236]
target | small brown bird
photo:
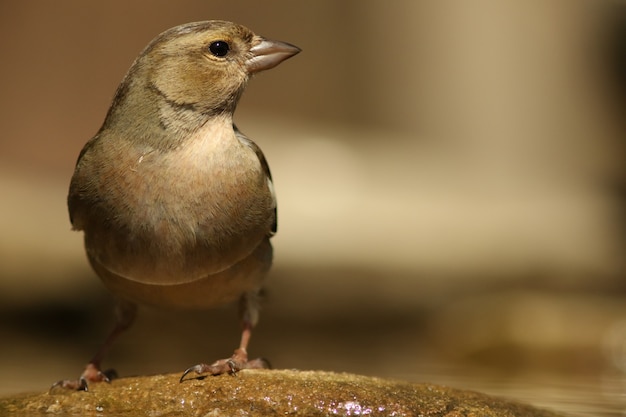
[176, 204]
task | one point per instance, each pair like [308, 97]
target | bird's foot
[92, 373]
[232, 365]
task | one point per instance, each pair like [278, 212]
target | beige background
[448, 174]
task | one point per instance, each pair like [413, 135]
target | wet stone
[267, 393]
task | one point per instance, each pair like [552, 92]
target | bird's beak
[267, 54]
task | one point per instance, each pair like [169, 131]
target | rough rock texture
[296, 393]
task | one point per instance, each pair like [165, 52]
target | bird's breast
[177, 216]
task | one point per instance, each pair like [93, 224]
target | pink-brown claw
[231, 366]
[79, 384]
[198, 369]
[91, 374]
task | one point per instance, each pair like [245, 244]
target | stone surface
[277, 392]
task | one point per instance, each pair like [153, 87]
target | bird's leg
[249, 312]
[125, 316]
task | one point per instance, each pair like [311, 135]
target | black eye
[219, 48]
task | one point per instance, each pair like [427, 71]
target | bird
[176, 204]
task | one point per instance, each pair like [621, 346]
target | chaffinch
[176, 204]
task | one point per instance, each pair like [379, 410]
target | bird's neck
[151, 119]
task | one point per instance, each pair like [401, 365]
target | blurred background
[451, 188]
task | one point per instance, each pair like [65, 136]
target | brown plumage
[176, 205]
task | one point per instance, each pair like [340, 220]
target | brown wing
[244, 139]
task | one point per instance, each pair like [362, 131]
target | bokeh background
[451, 190]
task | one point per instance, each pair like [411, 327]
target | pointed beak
[267, 54]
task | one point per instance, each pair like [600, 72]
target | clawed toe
[91, 374]
[231, 366]
[198, 369]
[79, 384]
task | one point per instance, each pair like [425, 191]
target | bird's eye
[219, 48]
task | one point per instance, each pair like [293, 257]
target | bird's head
[198, 69]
